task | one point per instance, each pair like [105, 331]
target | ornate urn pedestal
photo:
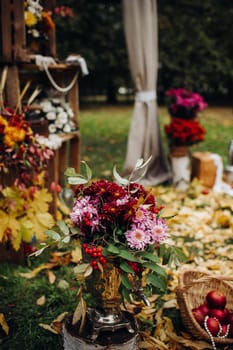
[106, 326]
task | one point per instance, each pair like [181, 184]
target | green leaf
[125, 281]
[179, 254]
[125, 293]
[172, 254]
[112, 249]
[63, 227]
[76, 180]
[53, 235]
[74, 230]
[126, 268]
[127, 255]
[70, 172]
[81, 269]
[119, 179]
[140, 163]
[149, 256]
[156, 268]
[88, 170]
[66, 239]
[155, 281]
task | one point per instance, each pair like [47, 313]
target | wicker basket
[191, 292]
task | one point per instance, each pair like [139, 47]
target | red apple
[230, 317]
[213, 325]
[231, 331]
[198, 315]
[216, 299]
[226, 312]
[204, 309]
[224, 330]
[219, 314]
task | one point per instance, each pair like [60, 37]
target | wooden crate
[14, 44]
[13, 37]
[204, 168]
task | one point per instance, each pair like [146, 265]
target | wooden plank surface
[12, 90]
[6, 31]
[19, 31]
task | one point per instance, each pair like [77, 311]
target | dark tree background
[195, 46]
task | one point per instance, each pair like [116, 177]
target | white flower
[46, 106]
[51, 115]
[62, 117]
[58, 124]
[72, 125]
[70, 112]
[52, 128]
[67, 128]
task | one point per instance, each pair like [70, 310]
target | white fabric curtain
[144, 140]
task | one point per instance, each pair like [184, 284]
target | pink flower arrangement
[184, 103]
[107, 213]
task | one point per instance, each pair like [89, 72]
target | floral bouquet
[22, 157]
[119, 221]
[182, 132]
[38, 22]
[184, 103]
[184, 128]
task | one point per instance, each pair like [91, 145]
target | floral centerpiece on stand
[184, 128]
[183, 131]
[24, 200]
[124, 241]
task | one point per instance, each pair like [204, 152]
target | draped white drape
[144, 140]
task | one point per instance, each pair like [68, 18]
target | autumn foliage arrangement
[21, 153]
[184, 128]
[24, 200]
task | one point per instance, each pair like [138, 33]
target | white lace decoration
[146, 96]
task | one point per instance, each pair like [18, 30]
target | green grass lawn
[104, 131]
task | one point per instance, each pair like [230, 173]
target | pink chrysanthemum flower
[142, 215]
[137, 238]
[83, 209]
[159, 231]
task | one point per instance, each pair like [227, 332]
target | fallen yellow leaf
[76, 255]
[35, 272]
[48, 328]
[41, 301]
[51, 277]
[4, 324]
[80, 314]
